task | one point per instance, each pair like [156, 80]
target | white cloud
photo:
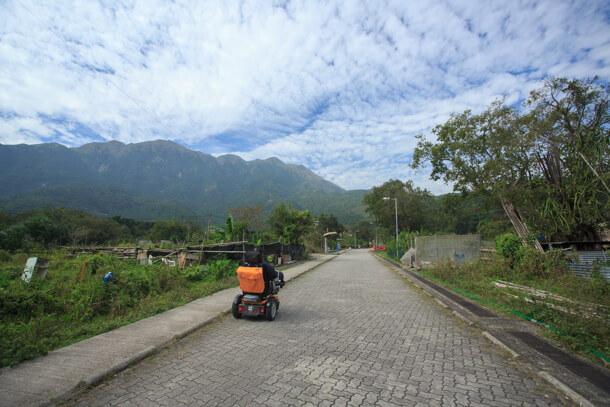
[340, 87]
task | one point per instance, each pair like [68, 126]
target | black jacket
[269, 272]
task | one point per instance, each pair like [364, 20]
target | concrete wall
[429, 249]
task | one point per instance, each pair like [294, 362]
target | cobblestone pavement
[350, 332]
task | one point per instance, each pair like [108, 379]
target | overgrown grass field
[71, 305]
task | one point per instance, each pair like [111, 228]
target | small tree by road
[290, 224]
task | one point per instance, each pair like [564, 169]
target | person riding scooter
[259, 283]
[269, 272]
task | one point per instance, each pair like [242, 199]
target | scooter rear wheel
[235, 306]
[271, 309]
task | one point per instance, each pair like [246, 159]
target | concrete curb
[93, 358]
[499, 343]
[461, 313]
[574, 396]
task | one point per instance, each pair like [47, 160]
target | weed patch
[69, 305]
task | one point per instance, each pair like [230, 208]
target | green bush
[4, 255]
[533, 265]
[197, 274]
[220, 269]
[12, 238]
[598, 286]
[510, 247]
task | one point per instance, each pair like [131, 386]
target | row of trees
[418, 211]
[61, 226]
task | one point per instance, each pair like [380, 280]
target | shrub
[220, 269]
[510, 247]
[598, 286]
[12, 238]
[535, 265]
[197, 274]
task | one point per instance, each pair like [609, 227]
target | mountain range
[161, 180]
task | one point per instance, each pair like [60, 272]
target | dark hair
[254, 258]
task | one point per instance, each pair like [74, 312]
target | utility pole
[385, 198]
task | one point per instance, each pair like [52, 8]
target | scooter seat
[252, 298]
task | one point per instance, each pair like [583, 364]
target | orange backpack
[251, 279]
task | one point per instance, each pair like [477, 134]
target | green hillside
[160, 180]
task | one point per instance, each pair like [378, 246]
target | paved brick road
[350, 332]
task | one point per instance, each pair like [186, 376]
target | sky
[341, 87]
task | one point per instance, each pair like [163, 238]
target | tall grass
[580, 325]
[69, 306]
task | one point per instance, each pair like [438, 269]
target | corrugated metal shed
[585, 262]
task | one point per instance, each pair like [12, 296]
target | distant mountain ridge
[159, 180]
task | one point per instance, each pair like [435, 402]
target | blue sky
[341, 87]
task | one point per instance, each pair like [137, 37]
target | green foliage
[136, 228]
[570, 119]
[12, 238]
[50, 226]
[62, 226]
[549, 165]
[198, 273]
[43, 315]
[366, 231]
[598, 286]
[215, 270]
[510, 247]
[229, 227]
[166, 229]
[220, 269]
[534, 265]
[329, 223]
[415, 206]
[290, 224]
[489, 229]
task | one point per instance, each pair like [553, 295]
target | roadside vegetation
[525, 284]
[73, 304]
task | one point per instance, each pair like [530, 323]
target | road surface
[350, 332]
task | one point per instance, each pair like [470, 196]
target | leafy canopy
[415, 206]
[548, 165]
[290, 224]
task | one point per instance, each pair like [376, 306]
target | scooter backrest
[251, 279]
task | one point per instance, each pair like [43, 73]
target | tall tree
[329, 223]
[523, 159]
[49, 226]
[229, 227]
[415, 206]
[570, 121]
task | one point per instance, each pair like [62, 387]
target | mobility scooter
[258, 297]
